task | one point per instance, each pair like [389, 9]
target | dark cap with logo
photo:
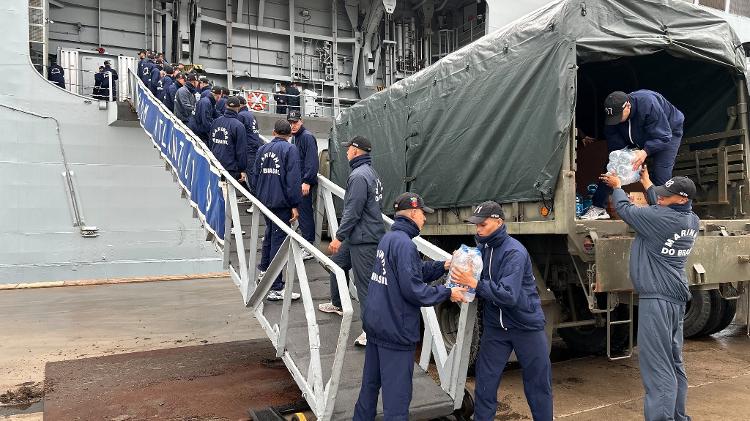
[408, 201]
[233, 102]
[192, 77]
[294, 116]
[677, 186]
[359, 142]
[614, 104]
[486, 210]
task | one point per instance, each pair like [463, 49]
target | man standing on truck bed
[512, 318]
[645, 120]
[664, 237]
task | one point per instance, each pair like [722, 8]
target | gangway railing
[213, 193]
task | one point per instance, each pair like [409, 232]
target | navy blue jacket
[162, 89]
[308, 155]
[203, 116]
[253, 135]
[171, 93]
[145, 67]
[664, 239]
[276, 175]
[100, 90]
[398, 288]
[228, 142]
[110, 72]
[141, 72]
[654, 124]
[362, 221]
[155, 77]
[221, 104]
[507, 285]
[56, 75]
[205, 93]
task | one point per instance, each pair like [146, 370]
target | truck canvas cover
[490, 121]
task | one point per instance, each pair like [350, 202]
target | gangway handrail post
[319, 394]
[109, 82]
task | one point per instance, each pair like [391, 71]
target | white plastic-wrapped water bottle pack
[621, 163]
[464, 259]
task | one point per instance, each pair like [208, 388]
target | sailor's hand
[243, 177]
[334, 247]
[640, 158]
[612, 180]
[447, 263]
[457, 295]
[588, 140]
[645, 178]
[464, 278]
[305, 189]
[295, 215]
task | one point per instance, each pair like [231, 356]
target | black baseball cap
[282, 127]
[233, 101]
[168, 69]
[192, 76]
[677, 186]
[359, 142]
[613, 107]
[294, 116]
[408, 201]
[488, 209]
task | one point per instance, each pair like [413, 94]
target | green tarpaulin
[491, 120]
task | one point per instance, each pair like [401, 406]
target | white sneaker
[330, 308]
[361, 340]
[279, 295]
[242, 200]
[594, 213]
[250, 209]
[261, 273]
[234, 231]
[306, 255]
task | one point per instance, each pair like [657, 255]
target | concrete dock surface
[74, 323]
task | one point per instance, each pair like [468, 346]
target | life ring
[258, 100]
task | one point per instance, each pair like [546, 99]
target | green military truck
[497, 120]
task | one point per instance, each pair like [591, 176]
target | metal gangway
[317, 348]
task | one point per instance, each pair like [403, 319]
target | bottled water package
[621, 163]
[464, 259]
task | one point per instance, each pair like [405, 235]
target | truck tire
[697, 314]
[593, 339]
[728, 311]
[717, 311]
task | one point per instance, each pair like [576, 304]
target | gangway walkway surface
[317, 348]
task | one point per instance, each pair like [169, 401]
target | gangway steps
[428, 401]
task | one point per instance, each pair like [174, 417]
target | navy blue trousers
[659, 168]
[272, 240]
[360, 258]
[307, 216]
[390, 370]
[533, 355]
[660, 358]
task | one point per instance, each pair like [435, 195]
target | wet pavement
[188, 318]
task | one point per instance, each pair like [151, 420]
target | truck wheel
[697, 314]
[717, 311]
[728, 311]
[448, 314]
